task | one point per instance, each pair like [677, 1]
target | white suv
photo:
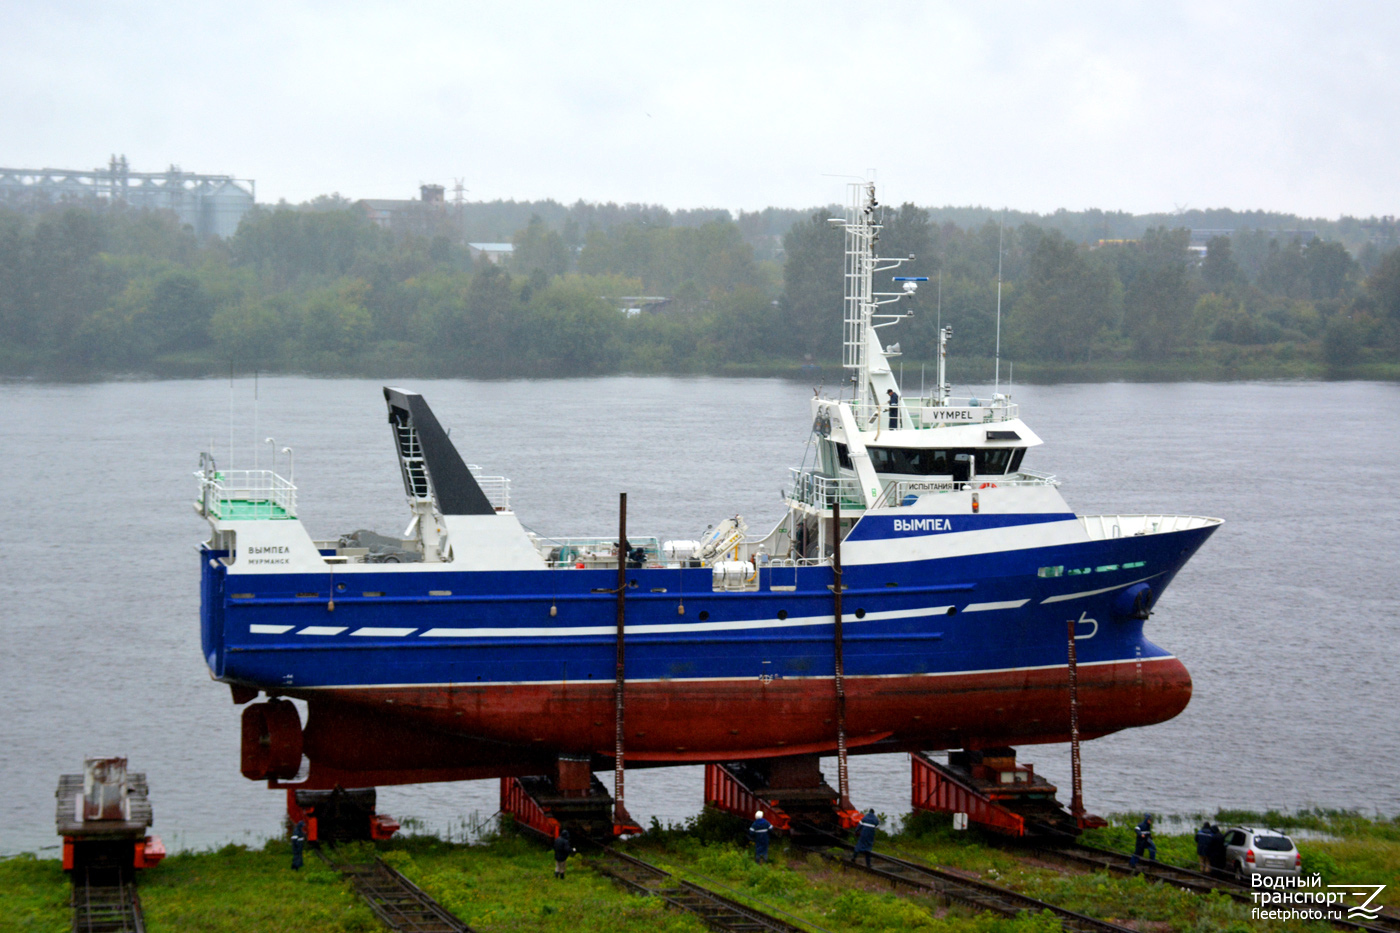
[1250, 851]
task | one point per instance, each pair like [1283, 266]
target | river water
[1285, 618]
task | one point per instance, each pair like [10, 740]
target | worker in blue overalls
[1144, 841]
[865, 842]
[759, 832]
[298, 843]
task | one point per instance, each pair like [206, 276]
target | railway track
[105, 901]
[953, 887]
[1080, 855]
[398, 903]
[1066, 850]
[712, 909]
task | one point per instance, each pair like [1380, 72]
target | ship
[918, 593]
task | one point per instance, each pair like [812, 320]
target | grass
[509, 884]
[506, 883]
[33, 894]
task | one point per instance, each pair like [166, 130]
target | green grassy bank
[506, 883]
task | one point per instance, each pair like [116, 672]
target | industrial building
[426, 216]
[211, 205]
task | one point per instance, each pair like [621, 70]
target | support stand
[843, 785]
[620, 816]
[1076, 801]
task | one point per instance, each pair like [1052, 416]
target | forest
[320, 288]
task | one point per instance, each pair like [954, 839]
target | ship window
[1016, 456]
[843, 456]
[993, 460]
[919, 461]
[912, 461]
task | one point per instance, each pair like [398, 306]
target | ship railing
[919, 413]
[496, 488]
[1100, 527]
[789, 562]
[822, 491]
[246, 495]
[595, 552]
[905, 492]
[817, 489]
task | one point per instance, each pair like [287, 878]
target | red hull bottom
[401, 735]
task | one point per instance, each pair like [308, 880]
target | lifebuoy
[988, 486]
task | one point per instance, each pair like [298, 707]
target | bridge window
[993, 460]
[914, 461]
[918, 461]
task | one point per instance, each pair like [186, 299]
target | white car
[1250, 851]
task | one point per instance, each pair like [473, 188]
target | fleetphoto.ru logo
[1307, 898]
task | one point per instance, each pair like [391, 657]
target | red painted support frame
[381, 825]
[519, 804]
[146, 852]
[938, 790]
[723, 791]
[149, 852]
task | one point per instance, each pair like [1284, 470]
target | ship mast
[861, 352]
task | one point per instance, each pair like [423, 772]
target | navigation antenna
[861, 303]
[1001, 229]
[945, 390]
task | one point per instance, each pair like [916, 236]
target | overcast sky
[1141, 107]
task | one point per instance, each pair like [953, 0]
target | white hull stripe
[988, 607]
[675, 628]
[1108, 589]
[746, 680]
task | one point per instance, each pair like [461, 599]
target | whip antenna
[1000, 233]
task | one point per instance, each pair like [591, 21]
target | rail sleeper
[712, 909]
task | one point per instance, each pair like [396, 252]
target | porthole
[704, 615]
[782, 614]
[952, 610]
[860, 613]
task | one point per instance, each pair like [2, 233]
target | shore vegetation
[505, 882]
[323, 288]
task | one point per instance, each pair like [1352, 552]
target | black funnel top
[453, 485]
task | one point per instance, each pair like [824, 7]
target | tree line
[320, 288]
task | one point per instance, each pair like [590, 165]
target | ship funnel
[431, 466]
